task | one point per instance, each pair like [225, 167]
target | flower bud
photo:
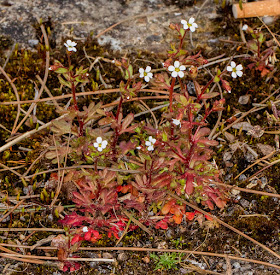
[193, 72]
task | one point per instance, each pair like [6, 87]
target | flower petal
[141, 70]
[148, 143]
[99, 139]
[99, 149]
[191, 20]
[239, 67]
[184, 22]
[95, 144]
[181, 74]
[148, 69]
[151, 148]
[186, 26]
[174, 74]
[239, 73]
[150, 75]
[147, 79]
[182, 68]
[232, 64]
[171, 68]
[229, 68]
[233, 74]
[104, 143]
[176, 64]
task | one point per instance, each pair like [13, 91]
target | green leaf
[216, 79]
[64, 82]
[164, 136]
[61, 70]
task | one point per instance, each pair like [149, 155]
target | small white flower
[138, 147]
[236, 70]
[176, 122]
[245, 27]
[146, 73]
[189, 25]
[70, 45]
[100, 144]
[85, 229]
[177, 69]
[150, 143]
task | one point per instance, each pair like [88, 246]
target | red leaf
[190, 215]
[161, 224]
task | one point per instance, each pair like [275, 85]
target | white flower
[70, 45]
[100, 144]
[176, 122]
[150, 143]
[177, 69]
[146, 73]
[191, 25]
[236, 70]
[245, 27]
[85, 229]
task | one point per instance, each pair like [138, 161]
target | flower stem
[171, 89]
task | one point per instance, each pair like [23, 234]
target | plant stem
[73, 89]
[171, 89]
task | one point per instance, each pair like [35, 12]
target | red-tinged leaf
[264, 72]
[220, 203]
[189, 188]
[87, 236]
[202, 132]
[161, 224]
[73, 220]
[209, 95]
[177, 219]
[129, 118]
[166, 208]
[105, 121]
[190, 215]
[210, 204]
[208, 142]
[129, 129]
[197, 88]
[76, 239]
[162, 180]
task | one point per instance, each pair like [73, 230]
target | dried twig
[144, 249]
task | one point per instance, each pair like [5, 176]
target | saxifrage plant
[126, 164]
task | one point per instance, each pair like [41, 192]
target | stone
[143, 25]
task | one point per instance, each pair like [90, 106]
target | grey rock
[78, 19]
[244, 203]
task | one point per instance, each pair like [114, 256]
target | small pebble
[236, 265]
[122, 257]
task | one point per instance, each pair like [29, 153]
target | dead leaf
[246, 126]
[265, 149]
[230, 137]
[244, 99]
